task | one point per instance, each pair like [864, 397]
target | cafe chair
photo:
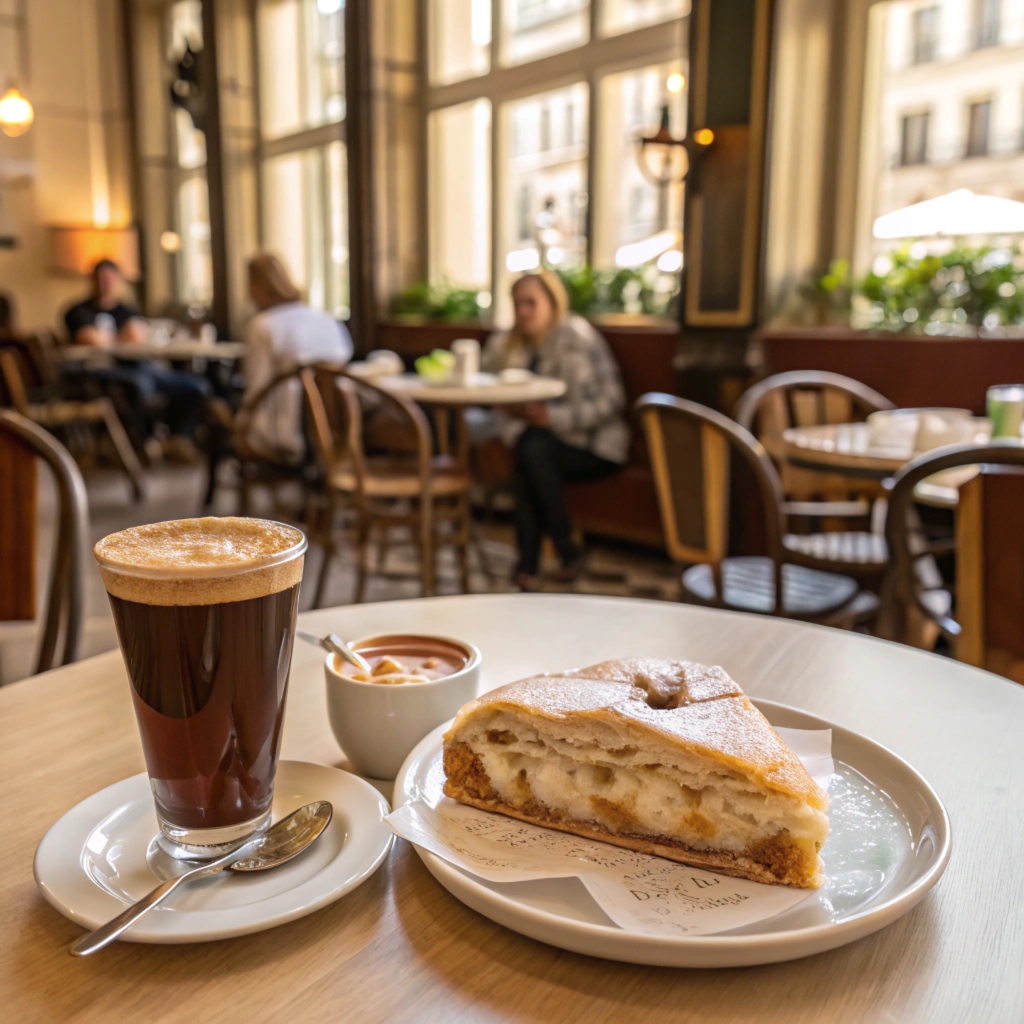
[690, 448]
[30, 386]
[915, 594]
[62, 629]
[258, 465]
[812, 398]
[376, 455]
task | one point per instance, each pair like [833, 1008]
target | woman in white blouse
[284, 334]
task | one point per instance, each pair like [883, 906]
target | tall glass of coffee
[205, 615]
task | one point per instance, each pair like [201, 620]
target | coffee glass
[205, 616]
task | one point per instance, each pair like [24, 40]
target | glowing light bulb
[16, 113]
[704, 136]
[675, 82]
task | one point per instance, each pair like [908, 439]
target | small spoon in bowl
[277, 845]
[333, 643]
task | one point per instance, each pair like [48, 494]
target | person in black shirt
[104, 318]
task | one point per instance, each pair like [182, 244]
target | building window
[537, 28]
[924, 35]
[301, 45]
[543, 201]
[986, 22]
[978, 117]
[914, 139]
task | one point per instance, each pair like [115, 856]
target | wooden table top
[494, 392]
[400, 948]
[149, 350]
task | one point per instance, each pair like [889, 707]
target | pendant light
[16, 113]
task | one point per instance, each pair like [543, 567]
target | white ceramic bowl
[377, 725]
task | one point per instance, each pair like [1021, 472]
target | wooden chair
[690, 448]
[915, 593]
[32, 388]
[397, 481]
[259, 467]
[66, 596]
[813, 397]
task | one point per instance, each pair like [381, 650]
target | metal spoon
[333, 643]
[279, 843]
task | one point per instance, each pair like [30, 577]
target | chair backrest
[690, 447]
[906, 545]
[66, 595]
[338, 406]
[802, 398]
[12, 384]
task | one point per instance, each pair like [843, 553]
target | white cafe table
[487, 389]
[400, 948]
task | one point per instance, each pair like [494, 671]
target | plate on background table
[889, 845]
[102, 856]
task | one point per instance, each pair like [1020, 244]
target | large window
[936, 128]
[303, 169]
[564, 188]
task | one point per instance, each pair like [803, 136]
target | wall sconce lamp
[74, 251]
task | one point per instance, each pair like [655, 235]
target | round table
[486, 389]
[400, 948]
[848, 449]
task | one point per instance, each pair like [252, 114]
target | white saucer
[103, 855]
[889, 844]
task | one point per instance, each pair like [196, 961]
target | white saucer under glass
[104, 854]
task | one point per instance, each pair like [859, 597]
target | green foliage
[925, 293]
[626, 290]
[442, 301]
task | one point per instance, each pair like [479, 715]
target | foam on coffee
[201, 561]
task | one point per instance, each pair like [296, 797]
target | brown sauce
[407, 659]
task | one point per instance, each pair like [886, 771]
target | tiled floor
[175, 492]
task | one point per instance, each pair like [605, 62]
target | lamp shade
[75, 251]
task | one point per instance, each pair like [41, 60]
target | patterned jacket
[591, 413]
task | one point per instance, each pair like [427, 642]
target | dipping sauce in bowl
[406, 659]
[426, 680]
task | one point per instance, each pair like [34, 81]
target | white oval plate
[889, 844]
[102, 855]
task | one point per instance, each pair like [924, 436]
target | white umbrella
[956, 213]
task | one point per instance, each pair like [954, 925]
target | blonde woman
[285, 333]
[581, 436]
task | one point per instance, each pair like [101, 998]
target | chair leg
[462, 541]
[125, 451]
[383, 546]
[363, 543]
[426, 527]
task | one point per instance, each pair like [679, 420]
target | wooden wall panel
[17, 530]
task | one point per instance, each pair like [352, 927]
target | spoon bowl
[287, 839]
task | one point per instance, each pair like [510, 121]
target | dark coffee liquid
[209, 685]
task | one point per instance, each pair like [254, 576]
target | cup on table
[1004, 406]
[205, 616]
[378, 723]
[467, 359]
[893, 428]
[937, 428]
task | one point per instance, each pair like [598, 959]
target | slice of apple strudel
[665, 757]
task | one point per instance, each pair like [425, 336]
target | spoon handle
[117, 926]
[334, 643]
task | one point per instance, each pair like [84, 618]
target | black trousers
[543, 465]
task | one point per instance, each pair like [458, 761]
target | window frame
[588, 63]
[315, 141]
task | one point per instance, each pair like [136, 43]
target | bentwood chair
[816, 397]
[32, 388]
[388, 477]
[62, 628]
[915, 591]
[690, 448]
[259, 465]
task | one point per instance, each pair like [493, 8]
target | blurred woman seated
[284, 334]
[581, 436]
